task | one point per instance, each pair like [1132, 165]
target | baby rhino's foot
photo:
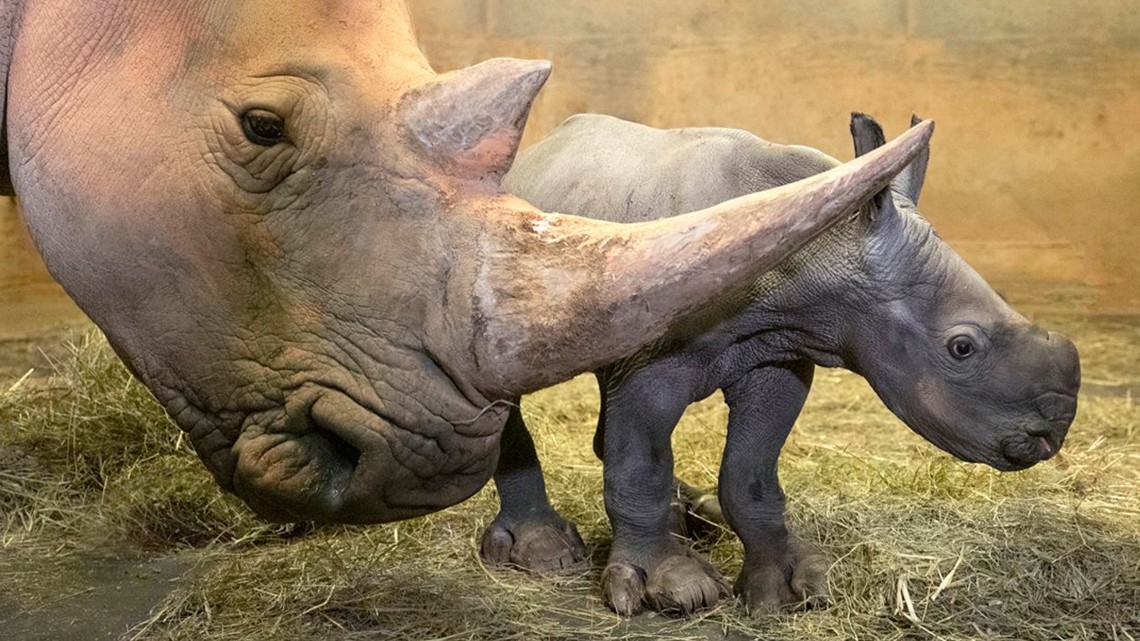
[677, 583]
[795, 580]
[540, 544]
[694, 513]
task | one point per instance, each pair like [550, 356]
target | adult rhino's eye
[961, 347]
[263, 128]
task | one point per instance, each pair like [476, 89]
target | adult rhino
[293, 232]
[880, 295]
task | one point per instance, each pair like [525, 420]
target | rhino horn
[470, 121]
[558, 295]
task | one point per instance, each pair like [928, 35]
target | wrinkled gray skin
[880, 295]
[294, 233]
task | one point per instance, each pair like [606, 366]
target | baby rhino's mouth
[1042, 441]
[1032, 448]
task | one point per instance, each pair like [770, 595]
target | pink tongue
[1045, 444]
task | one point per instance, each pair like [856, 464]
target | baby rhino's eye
[263, 128]
[962, 348]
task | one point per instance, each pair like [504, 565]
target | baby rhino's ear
[909, 182]
[866, 133]
[868, 136]
[470, 121]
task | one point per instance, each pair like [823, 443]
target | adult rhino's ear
[6, 186]
[6, 43]
[909, 182]
[470, 121]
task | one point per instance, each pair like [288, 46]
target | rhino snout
[1060, 373]
[1057, 408]
[1068, 361]
[1042, 440]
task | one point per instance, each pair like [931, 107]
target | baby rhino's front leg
[647, 566]
[778, 571]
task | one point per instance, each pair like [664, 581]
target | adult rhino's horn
[558, 295]
[470, 121]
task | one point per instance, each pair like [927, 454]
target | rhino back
[611, 169]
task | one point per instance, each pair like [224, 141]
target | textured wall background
[1036, 170]
[1035, 176]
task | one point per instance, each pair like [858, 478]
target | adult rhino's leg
[648, 567]
[778, 570]
[528, 532]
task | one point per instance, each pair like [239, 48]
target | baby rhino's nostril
[1055, 407]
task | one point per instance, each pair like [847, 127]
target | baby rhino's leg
[648, 567]
[778, 571]
[693, 512]
[528, 532]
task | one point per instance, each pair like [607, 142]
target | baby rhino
[880, 295]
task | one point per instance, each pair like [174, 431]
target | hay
[87, 448]
[921, 546]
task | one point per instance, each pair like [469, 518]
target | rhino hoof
[541, 546]
[799, 583]
[683, 584]
[694, 513]
[623, 588]
[679, 583]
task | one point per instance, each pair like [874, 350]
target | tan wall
[1036, 170]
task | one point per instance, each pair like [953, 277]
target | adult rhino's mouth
[332, 458]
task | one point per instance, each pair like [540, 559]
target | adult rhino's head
[293, 232]
[942, 349]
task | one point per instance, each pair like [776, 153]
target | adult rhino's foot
[694, 512]
[676, 582]
[797, 580]
[541, 544]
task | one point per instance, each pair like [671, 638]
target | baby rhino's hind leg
[778, 570]
[696, 512]
[527, 533]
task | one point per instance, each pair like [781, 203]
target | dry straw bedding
[921, 546]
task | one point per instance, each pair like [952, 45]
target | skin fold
[880, 295]
[293, 232]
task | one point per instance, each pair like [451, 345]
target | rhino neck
[804, 305]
